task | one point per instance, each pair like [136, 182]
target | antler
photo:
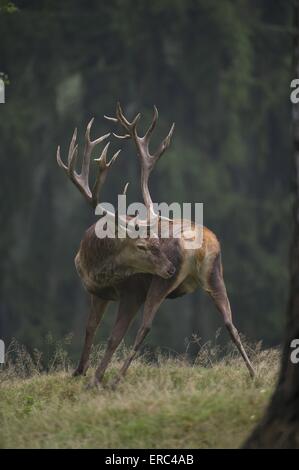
[81, 180]
[147, 160]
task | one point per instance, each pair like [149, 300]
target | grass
[211, 403]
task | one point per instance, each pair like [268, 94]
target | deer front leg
[128, 307]
[217, 291]
[157, 292]
[98, 307]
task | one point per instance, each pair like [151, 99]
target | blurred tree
[280, 426]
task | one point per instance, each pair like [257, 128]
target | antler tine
[72, 163]
[71, 147]
[164, 144]
[147, 160]
[72, 159]
[122, 137]
[102, 173]
[121, 118]
[109, 118]
[129, 126]
[81, 180]
[125, 189]
[114, 157]
[59, 161]
[88, 148]
[103, 157]
[152, 125]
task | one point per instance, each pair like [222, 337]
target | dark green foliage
[221, 71]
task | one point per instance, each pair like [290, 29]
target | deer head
[146, 255]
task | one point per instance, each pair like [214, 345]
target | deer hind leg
[217, 290]
[128, 308]
[98, 307]
[158, 291]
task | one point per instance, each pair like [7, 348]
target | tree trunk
[280, 425]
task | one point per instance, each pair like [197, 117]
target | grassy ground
[172, 404]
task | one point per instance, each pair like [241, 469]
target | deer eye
[141, 247]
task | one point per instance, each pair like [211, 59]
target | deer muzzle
[167, 271]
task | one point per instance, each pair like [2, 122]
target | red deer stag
[143, 270]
